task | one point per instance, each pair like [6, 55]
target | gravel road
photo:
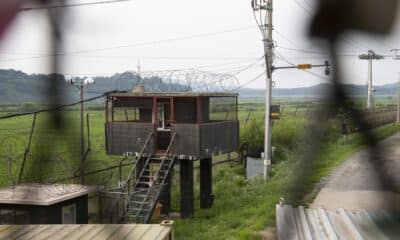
[355, 184]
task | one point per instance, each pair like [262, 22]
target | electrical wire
[24, 9]
[55, 108]
[304, 8]
[317, 52]
[189, 37]
[250, 81]
[349, 41]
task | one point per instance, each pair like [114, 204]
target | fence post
[27, 149]
[247, 119]
[88, 132]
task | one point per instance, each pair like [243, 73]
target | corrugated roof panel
[88, 231]
[300, 223]
[286, 223]
[304, 223]
[313, 218]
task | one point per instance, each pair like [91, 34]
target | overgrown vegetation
[241, 208]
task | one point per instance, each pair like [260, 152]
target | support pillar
[186, 182]
[165, 195]
[206, 198]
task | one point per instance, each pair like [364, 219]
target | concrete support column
[186, 182]
[206, 198]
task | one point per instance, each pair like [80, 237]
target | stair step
[139, 209]
[139, 202]
[143, 182]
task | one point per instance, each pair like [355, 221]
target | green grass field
[241, 209]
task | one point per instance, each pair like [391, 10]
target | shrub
[252, 138]
[29, 107]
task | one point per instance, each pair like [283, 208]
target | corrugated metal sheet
[87, 231]
[300, 223]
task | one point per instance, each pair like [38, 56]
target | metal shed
[45, 204]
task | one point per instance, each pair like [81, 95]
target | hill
[18, 87]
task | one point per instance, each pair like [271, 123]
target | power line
[180, 69]
[189, 37]
[250, 81]
[55, 108]
[286, 38]
[246, 67]
[24, 9]
[307, 3]
[316, 52]
[349, 41]
[302, 7]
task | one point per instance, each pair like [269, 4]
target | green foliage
[29, 107]
[252, 138]
[241, 208]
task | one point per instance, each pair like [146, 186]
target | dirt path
[354, 184]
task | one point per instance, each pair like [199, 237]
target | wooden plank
[78, 232]
[4, 229]
[90, 233]
[123, 232]
[108, 232]
[154, 233]
[163, 233]
[139, 232]
[28, 235]
[11, 230]
[286, 224]
[64, 232]
[48, 233]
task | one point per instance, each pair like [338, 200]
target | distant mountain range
[321, 90]
[19, 87]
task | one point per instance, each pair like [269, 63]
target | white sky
[140, 21]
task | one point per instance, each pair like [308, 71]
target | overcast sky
[139, 25]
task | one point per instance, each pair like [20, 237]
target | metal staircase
[148, 186]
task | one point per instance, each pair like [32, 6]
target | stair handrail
[169, 146]
[128, 179]
[158, 172]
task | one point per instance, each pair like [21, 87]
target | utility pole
[398, 103]
[262, 10]
[263, 15]
[138, 67]
[371, 55]
[80, 85]
[397, 57]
